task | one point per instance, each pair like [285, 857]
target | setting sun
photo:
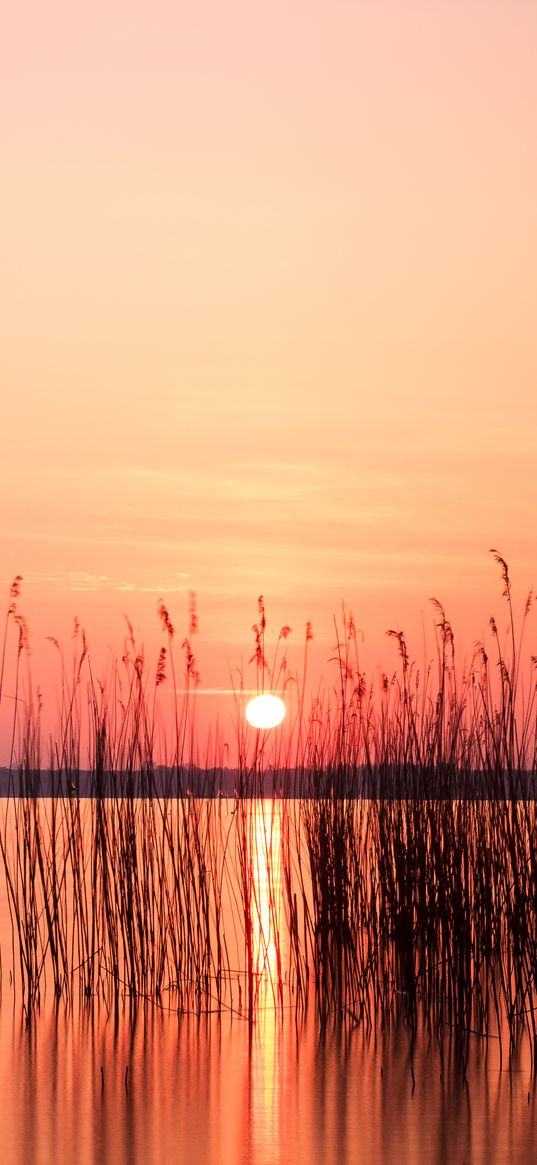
[265, 711]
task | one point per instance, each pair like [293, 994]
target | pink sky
[267, 317]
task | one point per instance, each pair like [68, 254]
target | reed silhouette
[392, 870]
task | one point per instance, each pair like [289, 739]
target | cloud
[85, 581]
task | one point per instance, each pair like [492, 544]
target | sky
[267, 319]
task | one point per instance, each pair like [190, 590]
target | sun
[265, 711]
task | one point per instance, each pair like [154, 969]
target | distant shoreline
[365, 783]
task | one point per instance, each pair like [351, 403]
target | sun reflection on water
[262, 1086]
[267, 891]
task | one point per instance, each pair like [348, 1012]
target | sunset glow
[268, 582]
[267, 324]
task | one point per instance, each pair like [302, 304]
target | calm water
[214, 1092]
[87, 1084]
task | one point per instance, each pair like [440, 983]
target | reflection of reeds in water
[401, 874]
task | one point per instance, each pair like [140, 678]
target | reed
[398, 874]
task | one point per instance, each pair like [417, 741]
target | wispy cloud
[80, 580]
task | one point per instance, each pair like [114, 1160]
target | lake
[240, 1061]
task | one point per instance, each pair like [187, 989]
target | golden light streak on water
[262, 1076]
[267, 890]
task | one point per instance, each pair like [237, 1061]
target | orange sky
[267, 316]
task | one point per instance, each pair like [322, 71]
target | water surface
[100, 1079]
[219, 1091]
